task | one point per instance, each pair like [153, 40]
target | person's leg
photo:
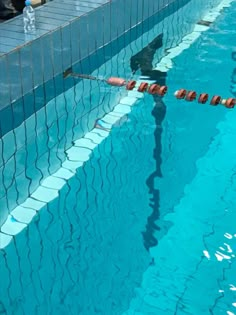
[7, 9]
[19, 4]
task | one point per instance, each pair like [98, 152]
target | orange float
[191, 96]
[162, 90]
[143, 87]
[216, 99]
[153, 89]
[116, 81]
[180, 94]
[130, 85]
[203, 98]
[229, 103]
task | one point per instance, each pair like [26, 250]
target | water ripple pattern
[193, 270]
[140, 226]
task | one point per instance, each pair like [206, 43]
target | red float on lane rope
[153, 89]
[180, 94]
[203, 98]
[143, 87]
[191, 96]
[215, 100]
[230, 103]
[162, 90]
[130, 85]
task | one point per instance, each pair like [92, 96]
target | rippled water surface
[147, 225]
[194, 269]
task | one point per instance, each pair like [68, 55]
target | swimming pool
[146, 224]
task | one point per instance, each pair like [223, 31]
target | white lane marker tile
[5, 239]
[78, 154]
[53, 182]
[33, 204]
[12, 227]
[23, 215]
[45, 194]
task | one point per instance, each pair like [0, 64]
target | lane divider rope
[156, 89]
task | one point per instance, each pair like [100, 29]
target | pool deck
[62, 38]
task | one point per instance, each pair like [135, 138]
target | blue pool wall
[36, 148]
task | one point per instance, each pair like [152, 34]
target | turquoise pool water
[147, 225]
[194, 263]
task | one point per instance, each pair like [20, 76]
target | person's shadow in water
[142, 62]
